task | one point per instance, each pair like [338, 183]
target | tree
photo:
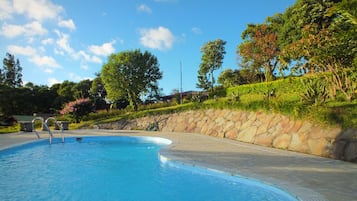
[211, 60]
[66, 91]
[130, 74]
[260, 49]
[82, 89]
[304, 18]
[11, 75]
[78, 109]
[326, 41]
[203, 81]
[230, 78]
[99, 93]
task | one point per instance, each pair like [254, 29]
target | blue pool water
[116, 168]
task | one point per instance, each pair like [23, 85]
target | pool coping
[310, 178]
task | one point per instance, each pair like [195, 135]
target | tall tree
[97, 89]
[230, 78]
[304, 18]
[99, 93]
[82, 89]
[11, 75]
[212, 58]
[66, 91]
[130, 74]
[325, 41]
[260, 49]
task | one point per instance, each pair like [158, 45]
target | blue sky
[59, 40]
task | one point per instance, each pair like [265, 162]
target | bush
[316, 92]
[78, 109]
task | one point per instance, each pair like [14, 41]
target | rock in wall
[272, 130]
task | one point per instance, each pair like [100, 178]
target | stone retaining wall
[272, 130]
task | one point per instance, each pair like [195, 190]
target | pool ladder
[46, 128]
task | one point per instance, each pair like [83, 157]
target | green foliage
[218, 92]
[291, 85]
[11, 74]
[78, 109]
[260, 50]
[212, 58]
[250, 98]
[315, 93]
[230, 78]
[235, 97]
[82, 89]
[9, 129]
[130, 74]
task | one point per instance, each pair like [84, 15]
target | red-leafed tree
[259, 50]
[78, 109]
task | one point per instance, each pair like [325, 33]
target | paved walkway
[308, 177]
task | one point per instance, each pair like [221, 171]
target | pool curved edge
[227, 176]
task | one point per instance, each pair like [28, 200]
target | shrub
[315, 93]
[78, 109]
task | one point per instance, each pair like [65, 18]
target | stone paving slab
[310, 178]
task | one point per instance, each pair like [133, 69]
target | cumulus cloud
[45, 61]
[63, 42]
[30, 29]
[37, 9]
[47, 41]
[160, 38]
[88, 57]
[144, 8]
[64, 47]
[103, 50]
[6, 10]
[19, 50]
[67, 24]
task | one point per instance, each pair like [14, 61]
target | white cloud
[65, 48]
[47, 41]
[45, 61]
[144, 8]
[58, 52]
[196, 30]
[37, 9]
[51, 81]
[88, 57]
[77, 78]
[67, 24]
[160, 38]
[6, 10]
[63, 42]
[27, 51]
[103, 50]
[30, 29]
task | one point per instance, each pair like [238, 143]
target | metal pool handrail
[45, 125]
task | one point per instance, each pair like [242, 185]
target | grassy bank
[282, 96]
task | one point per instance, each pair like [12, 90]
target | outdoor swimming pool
[116, 168]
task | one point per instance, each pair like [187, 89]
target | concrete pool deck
[310, 178]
